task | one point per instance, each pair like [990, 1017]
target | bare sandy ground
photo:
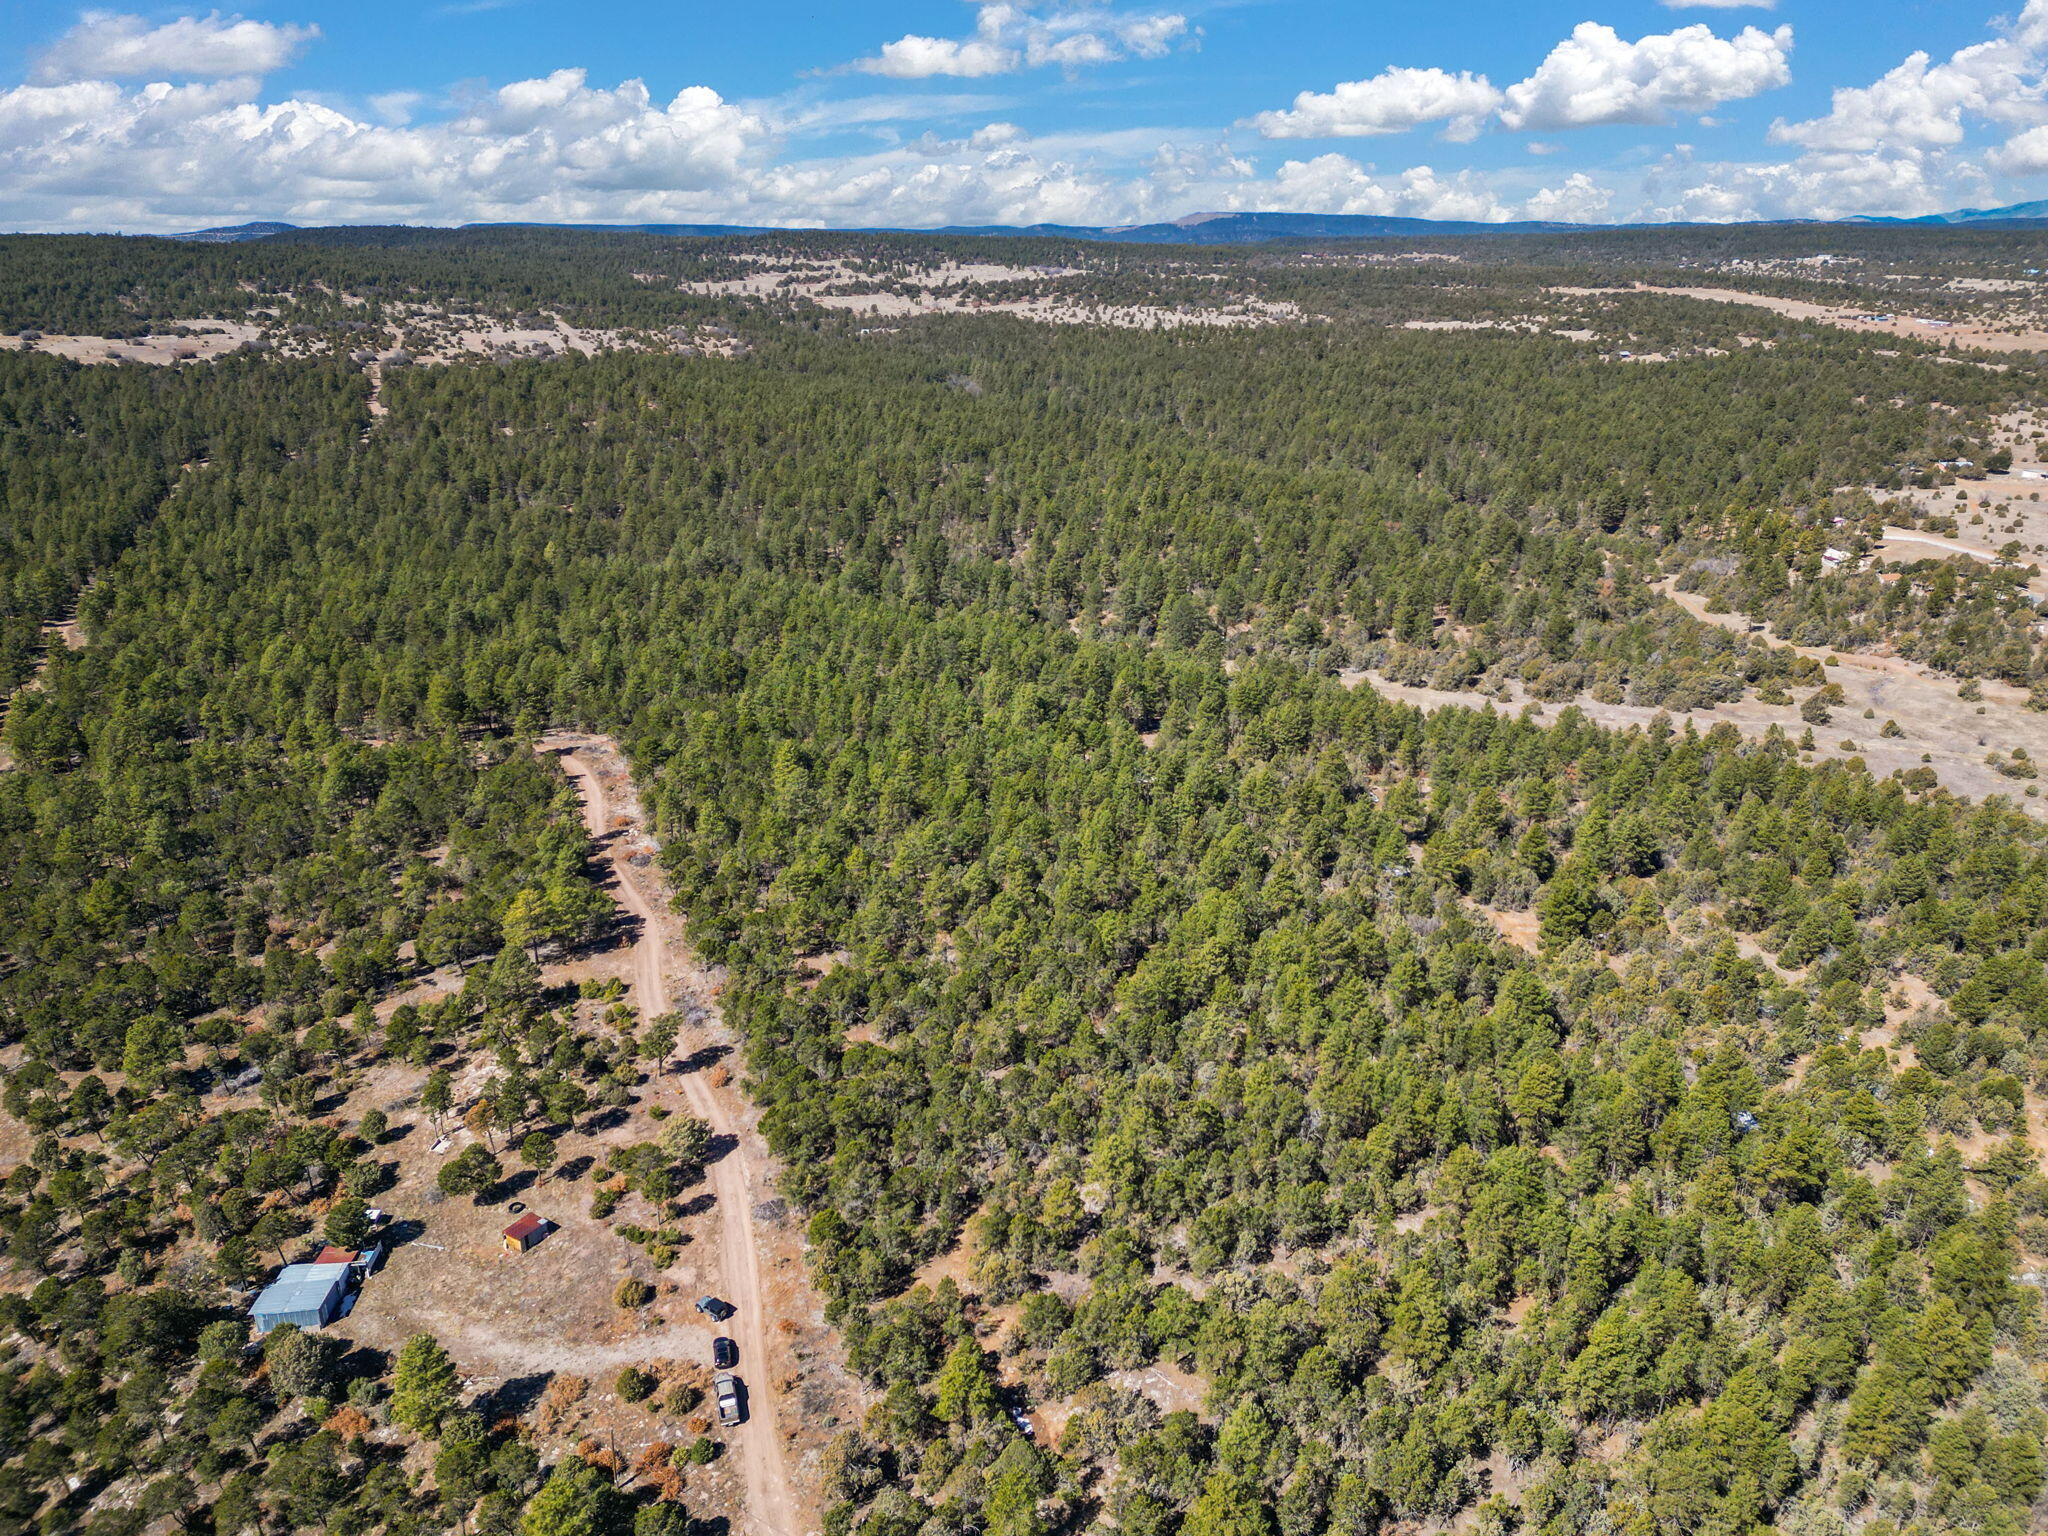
[1466, 325]
[1989, 513]
[218, 339]
[796, 277]
[1129, 317]
[429, 336]
[1954, 733]
[948, 289]
[1905, 544]
[1977, 335]
[1949, 731]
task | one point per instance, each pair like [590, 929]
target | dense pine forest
[1479, 1121]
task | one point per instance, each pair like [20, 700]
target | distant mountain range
[233, 234]
[1220, 228]
[2012, 216]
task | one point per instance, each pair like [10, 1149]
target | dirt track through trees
[770, 1501]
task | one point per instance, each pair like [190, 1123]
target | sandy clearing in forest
[947, 290]
[799, 278]
[510, 1319]
[2010, 505]
[430, 336]
[1516, 928]
[1906, 545]
[1126, 317]
[217, 339]
[1976, 335]
[1937, 724]
[1954, 733]
[1464, 325]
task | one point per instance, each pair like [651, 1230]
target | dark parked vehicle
[724, 1353]
[715, 1309]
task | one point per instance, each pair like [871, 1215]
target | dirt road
[1938, 546]
[770, 1501]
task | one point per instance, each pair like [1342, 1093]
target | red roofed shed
[525, 1232]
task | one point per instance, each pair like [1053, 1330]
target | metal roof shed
[307, 1294]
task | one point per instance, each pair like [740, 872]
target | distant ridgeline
[1171, 1007]
[1251, 228]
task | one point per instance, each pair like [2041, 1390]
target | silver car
[731, 1398]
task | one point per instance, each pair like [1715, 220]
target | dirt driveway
[770, 1502]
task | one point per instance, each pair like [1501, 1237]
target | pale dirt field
[1128, 317]
[1995, 510]
[1948, 730]
[947, 289]
[1468, 325]
[218, 339]
[804, 278]
[430, 336]
[1533, 325]
[1905, 545]
[433, 337]
[1981, 335]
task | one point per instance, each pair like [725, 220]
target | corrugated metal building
[525, 1232]
[307, 1294]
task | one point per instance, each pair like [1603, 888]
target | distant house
[310, 1295]
[525, 1232]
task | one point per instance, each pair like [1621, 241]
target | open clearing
[212, 339]
[1952, 734]
[1977, 334]
[423, 334]
[516, 1323]
[952, 288]
[2002, 508]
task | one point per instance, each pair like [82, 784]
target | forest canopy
[1475, 1120]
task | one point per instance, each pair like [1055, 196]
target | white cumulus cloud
[2024, 154]
[1392, 101]
[1595, 76]
[550, 148]
[1580, 200]
[105, 45]
[1821, 184]
[1008, 37]
[918, 58]
[1921, 104]
[1336, 183]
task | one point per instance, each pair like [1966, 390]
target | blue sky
[927, 112]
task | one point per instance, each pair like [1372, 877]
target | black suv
[724, 1353]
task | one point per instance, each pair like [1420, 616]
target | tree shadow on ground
[514, 1398]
